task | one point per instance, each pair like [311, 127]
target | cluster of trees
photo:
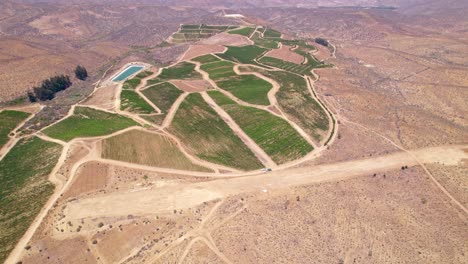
[322, 41]
[48, 88]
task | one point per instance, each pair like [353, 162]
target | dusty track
[173, 110]
[165, 200]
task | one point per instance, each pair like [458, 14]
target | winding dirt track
[167, 199]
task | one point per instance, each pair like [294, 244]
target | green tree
[81, 72]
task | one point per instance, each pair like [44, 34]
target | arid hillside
[40, 40]
[293, 132]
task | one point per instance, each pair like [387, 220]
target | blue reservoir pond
[127, 72]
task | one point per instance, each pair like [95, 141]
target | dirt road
[167, 199]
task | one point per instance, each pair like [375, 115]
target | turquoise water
[127, 72]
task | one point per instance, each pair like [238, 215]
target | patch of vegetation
[25, 188]
[181, 71]
[248, 88]
[49, 88]
[247, 31]
[218, 28]
[81, 73]
[208, 58]
[9, 119]
[190, 26]
[145, 148]
[132, 102]
[88, 122]
[143, 74]
[322, 41]
[273, 134]
[196, 32]
[262, 42]
[131, 84]
[271, 33]
[244, 54]
[297, 42]
[206, 135]
[302, 69]
[295, 100]
[219, 70]
[163, 95]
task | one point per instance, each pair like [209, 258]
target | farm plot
[297, 103]
[302, 69]
[88, 122]
[271, 33]
[132, 83]
[273, 134]
[132, 102]
[208, 137]
[219, 70]
[180, 71]
[244, 55]
[199, 50]
[284, 53]
[146, 148]
[248, 88]
[192, 86]
[299, 43]
[10, 119]
[246, 31]
[190, 32]
[226, 39]
[208, 58]
[163, 95]
[25, 188]
[262, 42]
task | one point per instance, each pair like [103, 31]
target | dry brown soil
[285, 53]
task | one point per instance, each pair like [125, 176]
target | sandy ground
[285, 53]
[395, 217]
[227, 39]
[103, 97]
[202, 49]
[183, 197]
[90, 177]
[191, 86]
